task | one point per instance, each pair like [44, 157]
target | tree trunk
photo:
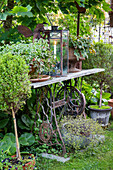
[16, 135]
[8, 22]
[101, 87]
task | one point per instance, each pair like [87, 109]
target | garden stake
[16, 135]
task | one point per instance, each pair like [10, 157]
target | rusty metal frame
[48, 108]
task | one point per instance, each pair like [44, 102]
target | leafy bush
[82, 46]
[38, 54]
[79, 133]
[8, 144]
[103, 58]
[92, 94]
[14, 86]
[14, 82]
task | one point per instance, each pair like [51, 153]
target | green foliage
[94, 158]
[27, 139]
[82, 46]
[37, 54]
[25, 122]
[17, 10]
[79, 132]
[10, 162]
[22, 11]
[103, 58]
[105, 97]
[13, 13]
[14, 82]
[8, 144]
[92, 94]
[97, 107]
[69, 22]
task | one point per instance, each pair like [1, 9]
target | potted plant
[27, 162]
[110, 103]
[79, 48]
[79, 132]
[101, 59]
[15, 88]
[37, 55]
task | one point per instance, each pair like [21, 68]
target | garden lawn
[96, 158]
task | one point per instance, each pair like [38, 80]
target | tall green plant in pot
[79, 48]
[14, 87]
[103, 58]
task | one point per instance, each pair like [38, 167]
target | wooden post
[78, 24]
[16, 136]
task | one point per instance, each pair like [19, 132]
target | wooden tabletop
[67, 77]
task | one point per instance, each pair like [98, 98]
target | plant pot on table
[35, 77]
[39, 78]
[75, 65]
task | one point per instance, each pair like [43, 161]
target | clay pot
[74, 64]
[29, 165]
[40, 78]
[110, 103]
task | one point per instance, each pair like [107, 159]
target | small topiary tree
[14, 87]
[103, 58]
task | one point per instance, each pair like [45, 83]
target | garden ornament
[28, 33]
[80, 9]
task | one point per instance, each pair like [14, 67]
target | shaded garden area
[68, 112]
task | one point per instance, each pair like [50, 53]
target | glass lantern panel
[65, 52]
[65, 56]
[65, 34]
[55, 47]
[55, 35]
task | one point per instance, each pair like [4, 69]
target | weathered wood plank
[67, 77]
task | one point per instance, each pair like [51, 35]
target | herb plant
[79, 132]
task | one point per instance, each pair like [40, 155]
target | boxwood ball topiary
[14, 82]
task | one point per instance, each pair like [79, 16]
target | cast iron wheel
[74, 101]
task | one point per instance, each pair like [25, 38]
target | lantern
[59, 44]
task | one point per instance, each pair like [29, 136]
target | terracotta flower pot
[74, 64]
[110, 103]
[29, 165]
[40, 78]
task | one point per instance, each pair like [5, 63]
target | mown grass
[96, 158]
